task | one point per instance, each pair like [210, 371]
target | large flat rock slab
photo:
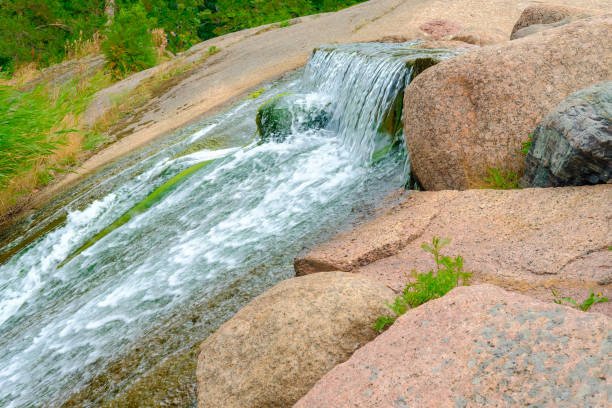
[530, 240]
[477, 346]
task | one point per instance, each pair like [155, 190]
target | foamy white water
[248, 211]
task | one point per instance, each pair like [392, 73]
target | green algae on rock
[277, 117]
[141, 207]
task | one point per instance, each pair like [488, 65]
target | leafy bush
[129, 45]
[427, 286]
[584, 306]
[502, 180]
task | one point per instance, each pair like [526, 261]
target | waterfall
[99, 290]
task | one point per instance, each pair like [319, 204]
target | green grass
[33, 126]
[585, 305]
[427, 286]
[502, 180]
[285, 24]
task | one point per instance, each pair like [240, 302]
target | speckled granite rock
[536, 28]
[275, 349]
[479, 36]
[472, 112]
[544, 14]
[477, 346]
[447, 44]
[573, 144]
[439, 28]
[529, 241]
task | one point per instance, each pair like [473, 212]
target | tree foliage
[38, 30]
[129, 46]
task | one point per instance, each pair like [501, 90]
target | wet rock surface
[471, 113]
[279, 117]
[477, 346]
[275, 349]
[573, 144]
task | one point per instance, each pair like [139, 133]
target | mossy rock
[421, 64]
[278, 117]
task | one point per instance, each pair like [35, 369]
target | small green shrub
[129, 46]
[584, 306]
[285, 24]
[502, 180]
[213, 50]
[428, 286]
[527, 145]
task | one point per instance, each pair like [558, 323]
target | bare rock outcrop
[477, 346]
[472, 112]
[275, 349]
[573, 144]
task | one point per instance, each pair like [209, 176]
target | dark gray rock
[572, 146]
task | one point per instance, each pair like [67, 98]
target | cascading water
[119, 283]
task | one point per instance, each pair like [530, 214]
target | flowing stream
[102, 309]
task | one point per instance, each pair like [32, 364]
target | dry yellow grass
[80, 47]
[22, 75]
[160, 40]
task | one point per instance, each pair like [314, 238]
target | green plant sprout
[502, 180]
[584, 306]
[527, 145]
[427, 286]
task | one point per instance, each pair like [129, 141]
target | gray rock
[573, 145]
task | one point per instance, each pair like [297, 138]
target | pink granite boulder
[478, 346]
